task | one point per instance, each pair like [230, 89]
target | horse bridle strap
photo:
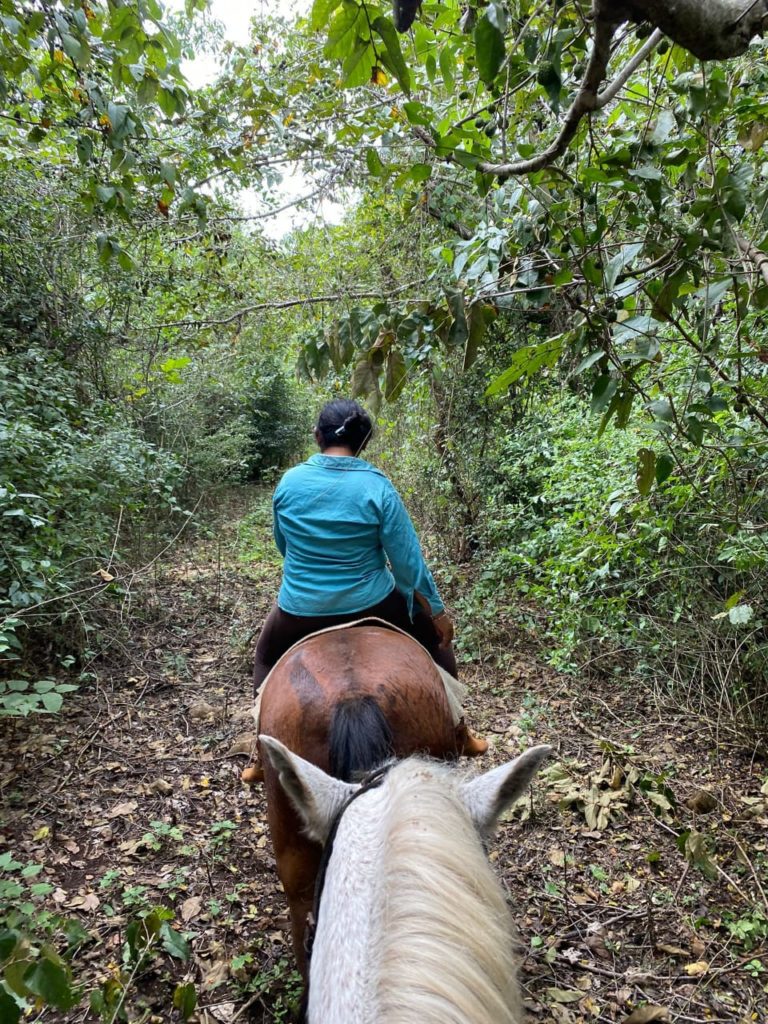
[370, 781]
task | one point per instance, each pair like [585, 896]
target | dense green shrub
[71, 471]
[279, 419]
[670, 585]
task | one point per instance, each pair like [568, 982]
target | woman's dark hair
[344, 422]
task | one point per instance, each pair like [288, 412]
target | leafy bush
[667, 584]
[71, 474]
[279, 419]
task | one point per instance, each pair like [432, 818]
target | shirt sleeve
[277, 532]
[402, 548]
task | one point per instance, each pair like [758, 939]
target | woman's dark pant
[282, 630]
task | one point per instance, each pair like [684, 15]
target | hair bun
[350, 421]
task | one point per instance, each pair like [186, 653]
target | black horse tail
[360, 738]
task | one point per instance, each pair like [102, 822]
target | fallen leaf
[645, 1014]
[191, 908]
[215, 974]
[564, 995]
[242, 745]
[42, 833]
[126, 807]
[161, 787]
[702, 802]
[201, 711]
[697, 968]
[556, 856]
[672, 950]
[85, 901]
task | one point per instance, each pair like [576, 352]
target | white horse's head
[413, 925]
[319, 797]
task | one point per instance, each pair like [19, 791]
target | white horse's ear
[489, 795]
[317, 797]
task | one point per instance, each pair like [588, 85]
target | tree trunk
[709, 29]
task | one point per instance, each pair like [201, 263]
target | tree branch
[632, 65]
[760, 259]
[709, 29]
[584, 102]
[312, 300]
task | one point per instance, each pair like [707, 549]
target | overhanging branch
[259, 307]
[586, 100]
[756, 256]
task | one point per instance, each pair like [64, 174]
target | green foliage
[279, 420]
[70, 469]
[657, 582]
[36, 946]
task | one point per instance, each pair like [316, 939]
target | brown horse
[345, 700]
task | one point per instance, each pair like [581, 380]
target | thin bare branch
[311, 300]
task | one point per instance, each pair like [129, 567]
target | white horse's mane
[412, 926]
[444, 951]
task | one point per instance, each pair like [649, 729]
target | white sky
[235, 15]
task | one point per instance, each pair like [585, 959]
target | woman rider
[337, 519]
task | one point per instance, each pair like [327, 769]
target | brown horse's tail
[360, 738]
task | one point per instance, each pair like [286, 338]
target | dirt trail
[637, 870]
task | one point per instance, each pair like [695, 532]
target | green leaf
[51, 982]
[447, 60]
[394, 55]
[489, 45]
[587, 361]
[479, 315]
[664, 466]
[321, 13]
[619, 262]
[420, 172]
[52, 702]
[185, 999]
[117, 114]
[373, 161]
[8, 942]
[741, 614]
[84, 149]
[395, 375]
[174, 943]
[646, 470]
[10, 1011]
[527, 361]
[77, 49]
[465, 159]
[364, 380]
[357, 67]
[458, 332]
[341, 34]
[168, 172]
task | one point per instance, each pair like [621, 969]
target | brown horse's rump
[369, 680]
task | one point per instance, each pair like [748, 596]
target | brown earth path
[636, 871]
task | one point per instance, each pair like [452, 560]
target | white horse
[413, 927]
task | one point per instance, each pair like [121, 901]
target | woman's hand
[443, 623]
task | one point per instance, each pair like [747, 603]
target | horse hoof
[252, 774]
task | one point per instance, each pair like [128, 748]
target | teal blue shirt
[337, 520]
